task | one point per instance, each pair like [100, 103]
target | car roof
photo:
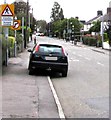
[49, 43]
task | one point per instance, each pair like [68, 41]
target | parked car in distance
[48, 56]
[39, 34]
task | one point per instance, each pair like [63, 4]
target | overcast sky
[84, 9]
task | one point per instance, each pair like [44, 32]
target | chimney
[99, 13]
[77, 17]
[110, 4]
[109, 13]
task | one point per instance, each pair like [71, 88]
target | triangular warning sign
[7, 11]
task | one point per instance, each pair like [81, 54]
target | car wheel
[31, 72]
[64, 73]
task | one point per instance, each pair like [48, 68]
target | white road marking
[74, 53]
[80, 55]
[76, 60]
[100, 64]
[87, 58]
[86, 48]
[60, 110]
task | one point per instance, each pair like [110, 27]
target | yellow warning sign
[16, 25]
[7, 10]
[0, 9]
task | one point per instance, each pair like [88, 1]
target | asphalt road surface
[84, 93]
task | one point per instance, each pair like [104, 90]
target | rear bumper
[49, 65]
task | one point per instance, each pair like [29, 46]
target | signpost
[7, 21]
[16, 25]
[6, 13]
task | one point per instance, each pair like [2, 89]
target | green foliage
[3, 41]
[91, 41]
[11, 32]
[21, 10]
[108, 31]
[19, 38]
[96, 27]
[7, 43]
[20, 7]
[105, 37]
[11, 41]
[57, 12]
[57, 27]
[41, 25]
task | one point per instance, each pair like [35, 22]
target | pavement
[94, 48]
[25, 96]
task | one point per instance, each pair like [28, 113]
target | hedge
[91, 41]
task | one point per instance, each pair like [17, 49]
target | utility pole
[22, 33]
[102, 30]
[26, 30]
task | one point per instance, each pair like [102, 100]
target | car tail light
[37, 48]
[63, 51]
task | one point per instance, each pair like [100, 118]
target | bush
[19, 42]
[11, 42]
[7, 43]
[88, 40]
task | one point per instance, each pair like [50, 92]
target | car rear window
[50, 49]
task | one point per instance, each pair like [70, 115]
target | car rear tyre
[30, 72]
[64, 73]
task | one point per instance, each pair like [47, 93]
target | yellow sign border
[3, 7]
[19, 27]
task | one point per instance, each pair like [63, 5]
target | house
[105, 21]
[89, 23]
[103, 18]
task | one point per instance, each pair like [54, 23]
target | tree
[20, 7]
[61, 14]
[96, 27]
[57, 27]
[57, 12]
[108, 31]
[41, 26]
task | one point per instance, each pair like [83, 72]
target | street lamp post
[67, 36]
[71, 31]
[102, 30]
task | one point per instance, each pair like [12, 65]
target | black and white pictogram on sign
[7, 11]
[16, 24]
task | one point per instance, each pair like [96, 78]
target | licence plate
[51, 58]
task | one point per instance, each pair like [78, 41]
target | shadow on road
[47, 73]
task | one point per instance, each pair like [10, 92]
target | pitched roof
[93, 19]
[105, 18]
[19, 1]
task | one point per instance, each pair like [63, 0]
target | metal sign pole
[15, 46]
[22, 33]
[6, 37]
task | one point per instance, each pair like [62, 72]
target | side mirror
[29, 50]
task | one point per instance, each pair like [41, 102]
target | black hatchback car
[48, 56]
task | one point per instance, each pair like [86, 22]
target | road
[84, 93]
